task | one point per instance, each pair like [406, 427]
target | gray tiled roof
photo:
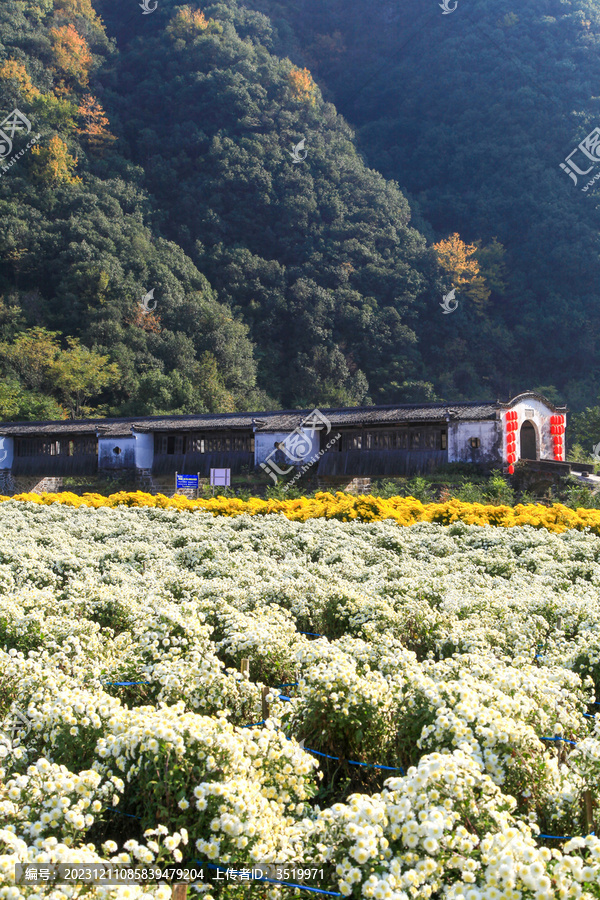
[279, 420]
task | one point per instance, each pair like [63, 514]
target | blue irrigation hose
[302, 887]
[126, 682]
[564, 740]
[553, 837]
[350, 761]
[129, 816]
[353, 763]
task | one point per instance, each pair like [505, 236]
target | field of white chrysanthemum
[449, 654]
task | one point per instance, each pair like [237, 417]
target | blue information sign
[187, 481]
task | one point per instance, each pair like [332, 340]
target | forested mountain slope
[164, 164]
[472, 113]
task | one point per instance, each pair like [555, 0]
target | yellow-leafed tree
[71, 9]
[54, 164]
[459, 261]
[15, 71]
[303, 86]
[188, 23]
[71, 53]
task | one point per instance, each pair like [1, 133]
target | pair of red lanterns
[512, 426]
[557, 429]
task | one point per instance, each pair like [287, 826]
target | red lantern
[511, 470]
[554, 420]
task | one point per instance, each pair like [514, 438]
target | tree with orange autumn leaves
[95, 121]
[303, 86]
[147, 321]
[71, 53]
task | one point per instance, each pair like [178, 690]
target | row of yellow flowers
[346, 508]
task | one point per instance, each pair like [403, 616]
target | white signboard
[220, 477]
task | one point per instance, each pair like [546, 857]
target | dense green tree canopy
[165, 164]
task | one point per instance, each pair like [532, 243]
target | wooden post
[265, 705]
[245, 668]
[179, 892]
[589, 810]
